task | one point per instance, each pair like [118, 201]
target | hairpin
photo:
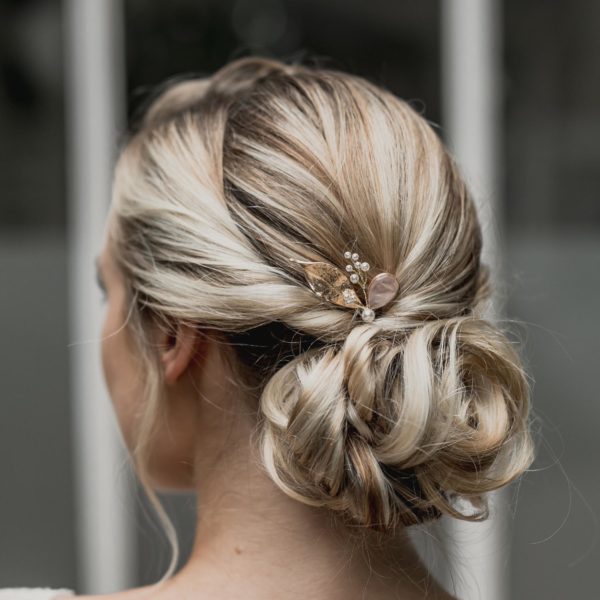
[337, 286]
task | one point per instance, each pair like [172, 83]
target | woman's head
[228, 177]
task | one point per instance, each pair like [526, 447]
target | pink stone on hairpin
[382, 290]
[336, 286]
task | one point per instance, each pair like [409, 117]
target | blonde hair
[385, 423]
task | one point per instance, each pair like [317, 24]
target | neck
[253, 541]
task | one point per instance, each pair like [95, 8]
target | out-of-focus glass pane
[395, 44]
[31, 119]
[37, 541]
[553, 115]
[553, 209]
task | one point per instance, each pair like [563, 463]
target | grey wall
[556, 287]
[36, 493]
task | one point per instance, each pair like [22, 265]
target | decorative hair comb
[337, 286]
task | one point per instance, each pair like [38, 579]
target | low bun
[390, 431]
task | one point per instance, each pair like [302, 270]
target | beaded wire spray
[337, 286]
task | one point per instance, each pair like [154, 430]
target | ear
[179, 349]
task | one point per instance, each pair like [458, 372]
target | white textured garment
[35, 593]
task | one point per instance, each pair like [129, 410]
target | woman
[294, 329]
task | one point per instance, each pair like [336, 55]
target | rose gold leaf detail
[332, 284]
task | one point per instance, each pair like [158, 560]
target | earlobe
[179, 355]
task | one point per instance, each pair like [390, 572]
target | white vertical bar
[471, 99]
[94, 60]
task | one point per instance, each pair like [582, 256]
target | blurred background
[72, 73]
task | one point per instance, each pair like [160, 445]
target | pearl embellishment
[368, 314]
